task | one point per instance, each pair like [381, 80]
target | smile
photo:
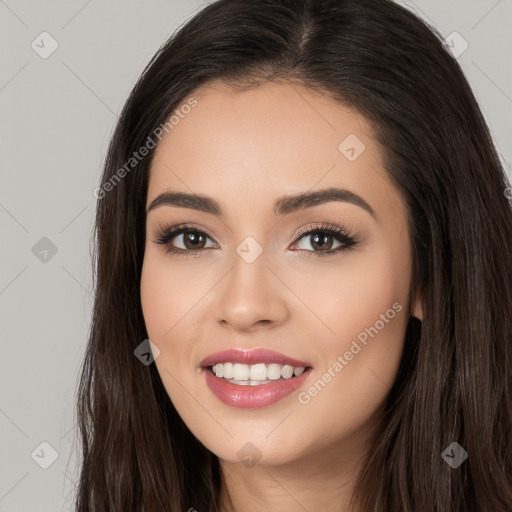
[255, 374]
[253, 378]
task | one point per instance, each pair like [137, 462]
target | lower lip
[251, 397]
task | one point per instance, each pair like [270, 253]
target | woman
[339, 338]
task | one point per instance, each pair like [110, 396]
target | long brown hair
[455, 379]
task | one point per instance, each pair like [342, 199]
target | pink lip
[251, 397]
[254, 356]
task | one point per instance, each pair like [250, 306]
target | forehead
[276, 137]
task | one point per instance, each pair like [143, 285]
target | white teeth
[218, 369]
[258, 371]
[287, 371]
[255, 374]
[274, 371]
[228, 370]
[240, 371]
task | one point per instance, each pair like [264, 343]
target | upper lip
[252, 356]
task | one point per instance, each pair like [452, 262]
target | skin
[246, 149]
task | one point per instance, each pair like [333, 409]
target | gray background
[57, 115]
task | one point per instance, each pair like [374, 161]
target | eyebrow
[283, 205]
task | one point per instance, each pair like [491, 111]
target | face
[319, 284]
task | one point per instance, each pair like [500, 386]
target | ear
[417, 306]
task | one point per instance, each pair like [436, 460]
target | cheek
[172, 299]
[368, 314]
[351, 295]
[156, 300]
[166, 300]
[167, 295]
[373, 309]
[367, 293]
[371, 283]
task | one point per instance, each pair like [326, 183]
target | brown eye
[182, 240]
[322, 239]
[193, 240]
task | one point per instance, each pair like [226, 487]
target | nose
[251, 297]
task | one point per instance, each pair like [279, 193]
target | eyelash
[166, 234]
